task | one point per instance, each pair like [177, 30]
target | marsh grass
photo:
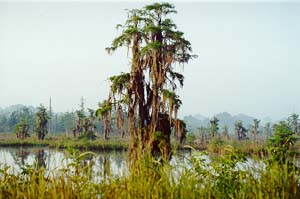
[64, 142]
[149, 178]
[117, 143]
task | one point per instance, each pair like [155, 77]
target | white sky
[249, 55]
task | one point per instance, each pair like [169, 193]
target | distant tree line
[254, 132]
[60, 122]
[13, 115]
[25, 120]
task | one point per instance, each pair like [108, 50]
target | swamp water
[101, 163]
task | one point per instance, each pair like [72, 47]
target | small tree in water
[41, 119]
[148, 92]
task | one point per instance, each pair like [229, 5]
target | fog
[248, 60]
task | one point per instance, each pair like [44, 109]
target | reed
[221, 177]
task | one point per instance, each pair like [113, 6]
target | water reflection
[103, 163]
[40, 158]
[20, 156]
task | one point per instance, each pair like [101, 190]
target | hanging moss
[104, 109]
[148, 93]
[119, 82]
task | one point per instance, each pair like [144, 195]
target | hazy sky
[249, 55]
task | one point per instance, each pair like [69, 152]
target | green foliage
[90, 135]
[157, 136]
[41, 120]
[67, 121]
[190, 139]
[227, 178]
[172, 97]
[14, 115]
[104, 113]
[163, 8]
[21, 129]
[63, 142]
[105, 107]
[221, 177]
[214, 127]
[281, 142]
[216, 145]
[78, 162]
[159, 141]
[60, 122]
[4, 127]
[119, 82]
[85, 125]
[240, 130]
[151, 46]
[177, 76]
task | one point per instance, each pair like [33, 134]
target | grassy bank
[117, 143]
[62, 142]
[246, 147]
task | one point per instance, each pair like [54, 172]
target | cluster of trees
[87, 123]
[281, 142]
[21, 120]
[254, 131]
[40, 125]
[14, 115]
